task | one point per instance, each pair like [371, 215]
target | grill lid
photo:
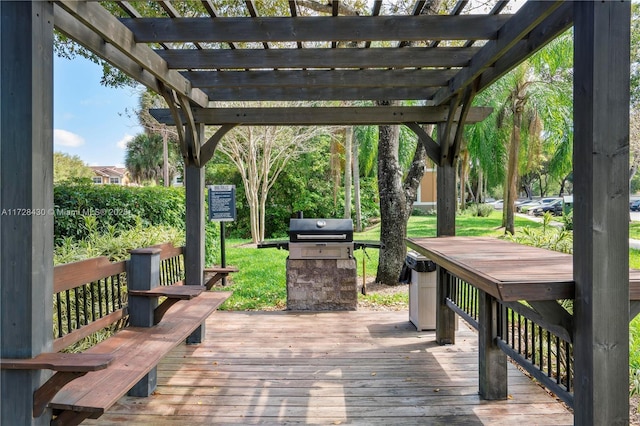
[321, 230]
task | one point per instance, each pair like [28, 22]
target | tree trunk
[356, 185]
[165, 158]
[396, 200]
[480, 194]
[464, 171]
[392, 207]
[348, 141]
[512, 172]
[335, 171]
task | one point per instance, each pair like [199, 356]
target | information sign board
[222, 203]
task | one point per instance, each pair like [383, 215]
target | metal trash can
[422, 291]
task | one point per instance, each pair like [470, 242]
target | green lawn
[634, 230]
[261, 282]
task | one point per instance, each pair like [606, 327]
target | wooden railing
[545, 351]
[91, 295]
[171, 264]
[88, 296]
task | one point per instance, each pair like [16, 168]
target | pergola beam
[321, 78]
[530, 15]
[322, 116]
[102, 23]
[318, 57]
[72, 28]
[319, 93]
[316, 28]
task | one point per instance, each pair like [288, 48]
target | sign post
[222, 207]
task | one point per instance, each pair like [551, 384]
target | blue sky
[91, 120]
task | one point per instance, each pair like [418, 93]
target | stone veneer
[322, 285]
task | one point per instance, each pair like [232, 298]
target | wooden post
[492, 361]
[195, 217]
[601, 194]
[446, 226]
[143, 273]
[26, 201]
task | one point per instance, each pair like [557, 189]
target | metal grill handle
[321, 237]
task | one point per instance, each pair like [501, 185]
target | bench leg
[146, 385]
[492, 361]
[197, 336]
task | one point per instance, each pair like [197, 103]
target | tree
[348, 170]
[67, 167]
[260, 154]
[485, 143]
[144, 158]
[536, 108]
[168, 134]
[398, 190]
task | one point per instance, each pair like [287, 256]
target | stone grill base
[322, 285]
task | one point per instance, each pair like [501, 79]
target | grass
[634, 230]
[261, 282]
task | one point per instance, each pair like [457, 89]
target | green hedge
[114, 207]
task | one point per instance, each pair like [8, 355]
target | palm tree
[485, 144]
[144, 158]
[533, 120]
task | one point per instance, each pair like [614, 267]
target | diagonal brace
[209, 147]
[431, 146]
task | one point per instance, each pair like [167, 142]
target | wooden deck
[329, 368]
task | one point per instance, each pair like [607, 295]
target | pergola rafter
[303, 29]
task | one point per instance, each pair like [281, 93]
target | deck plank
[358, 367]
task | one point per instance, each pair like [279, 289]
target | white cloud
[122, 143]
[66, 138]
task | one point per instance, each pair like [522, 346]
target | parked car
[527, 209]
[554, 207]
[498, 205]
[635, 206]
[526, 205]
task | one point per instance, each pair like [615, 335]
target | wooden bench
[90, 296]
[136, 351]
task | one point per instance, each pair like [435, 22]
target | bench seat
[136, 351]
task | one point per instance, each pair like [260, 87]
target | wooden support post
[143, 273]
[446, 208]
[195, 217]
[26, 201]
[492, 362]
[601, 194]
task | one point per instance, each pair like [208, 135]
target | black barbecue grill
[321, 239]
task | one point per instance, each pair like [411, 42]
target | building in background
[427, 194]
[110, 175]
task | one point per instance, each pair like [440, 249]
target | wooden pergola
[441, 61]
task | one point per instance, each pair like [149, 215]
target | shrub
[567, 219]
[479, 210]
[114, 206]
[114, 243]
[548, 236]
